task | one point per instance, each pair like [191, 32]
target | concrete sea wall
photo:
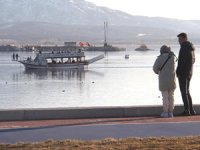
[85, 112]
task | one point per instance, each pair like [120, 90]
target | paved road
[99, 131]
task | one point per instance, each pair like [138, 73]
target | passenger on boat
[13, 56]
[29, 58]
[53, 62]
[16, 56]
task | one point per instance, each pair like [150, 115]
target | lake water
[112, 81]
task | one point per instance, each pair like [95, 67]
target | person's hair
[183, 35]
[165, 49]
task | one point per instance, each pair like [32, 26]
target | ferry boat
[126, 56]
[71, 59]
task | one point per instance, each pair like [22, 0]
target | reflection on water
[56, 74]
[48, 88]
[60, 74]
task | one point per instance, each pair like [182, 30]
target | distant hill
[37, 32]
[30, 21]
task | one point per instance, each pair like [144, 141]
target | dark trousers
[184, 84]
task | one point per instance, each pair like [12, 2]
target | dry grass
[163, 143]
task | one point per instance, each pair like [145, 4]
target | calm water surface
[113, 81]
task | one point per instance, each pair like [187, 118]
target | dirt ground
[163, 143]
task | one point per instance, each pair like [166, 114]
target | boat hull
[54, 66]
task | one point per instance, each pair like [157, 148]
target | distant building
[70, 44]
[8, 48]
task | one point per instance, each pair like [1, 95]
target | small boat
[142, 47]
[127, 56]
[70, 59]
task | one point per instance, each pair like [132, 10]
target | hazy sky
[179, 9]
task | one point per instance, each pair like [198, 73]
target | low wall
[85, 112]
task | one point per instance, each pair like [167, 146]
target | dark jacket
[186, 60]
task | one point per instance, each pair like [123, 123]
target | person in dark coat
[184, 72]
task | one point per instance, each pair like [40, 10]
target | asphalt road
[99, 131]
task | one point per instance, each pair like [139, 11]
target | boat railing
[95, 59]
[62, 55]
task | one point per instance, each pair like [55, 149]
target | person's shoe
[164, 115]
[186, 113]
[170, 115]
[193, 112]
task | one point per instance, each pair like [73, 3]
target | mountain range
[39, 21]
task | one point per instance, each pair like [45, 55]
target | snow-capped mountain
[59, 12]
[78, 12]
[33, 20]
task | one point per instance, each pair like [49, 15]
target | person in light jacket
[164, 66]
